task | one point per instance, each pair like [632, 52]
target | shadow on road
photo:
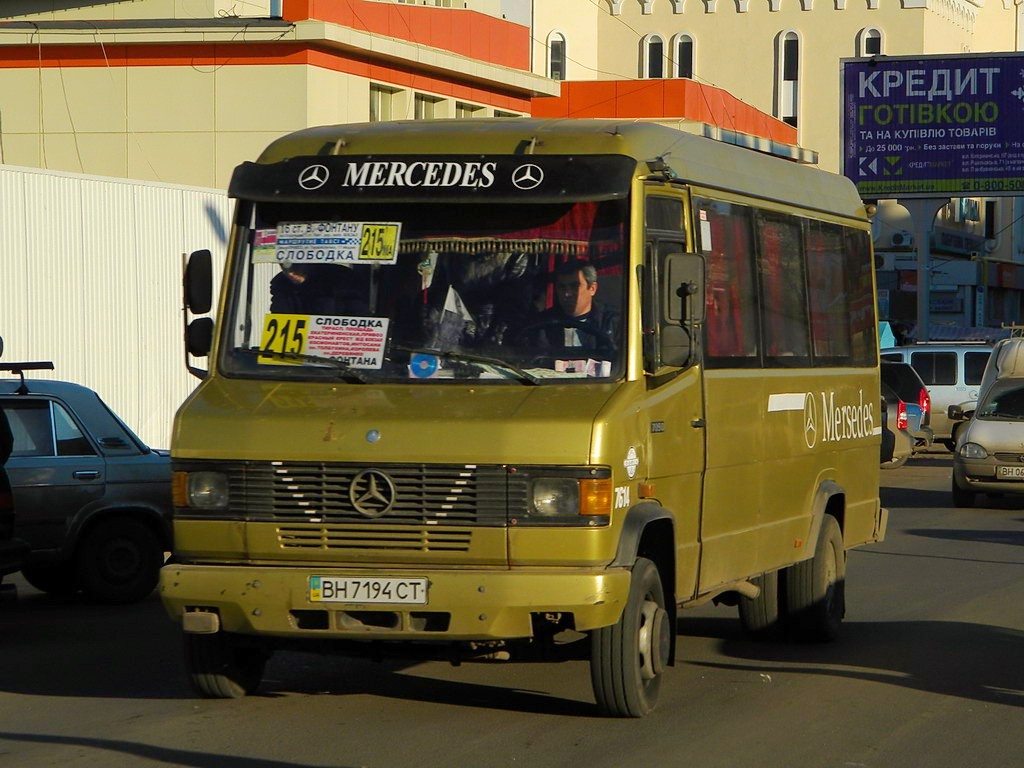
[970, 661]
[161, 755]
[67, 647]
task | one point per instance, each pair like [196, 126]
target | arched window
[556, 56]
[682, 56]
[869, 42]
[652, 56]
[787, 78]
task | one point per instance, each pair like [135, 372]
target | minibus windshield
[428, 292]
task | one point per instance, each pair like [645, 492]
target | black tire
[222, 666]
[760, 616]
[962, 497]
[119, 561]
[816, 588]
[55, 579]
[628, 659]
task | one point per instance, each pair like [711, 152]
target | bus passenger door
[673, 403]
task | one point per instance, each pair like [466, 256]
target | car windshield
[515, 294]
[1004, 401]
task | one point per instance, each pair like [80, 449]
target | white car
[989, 454]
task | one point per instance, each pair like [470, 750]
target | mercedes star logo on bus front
[527, 176]
[810, 420]
[372, 493]
[314, 177]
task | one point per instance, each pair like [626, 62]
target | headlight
[570, 501]
[973, 451]
[201, 490]
[556, 497]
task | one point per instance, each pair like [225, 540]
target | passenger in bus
[579, 323]
[318, 289]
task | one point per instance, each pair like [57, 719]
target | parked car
[989, 456]
[904, 381]
[93, 501]
[902, 420]
[952, 373]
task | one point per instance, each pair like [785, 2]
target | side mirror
[199, 337]
[961, 411]
[197, 290]
[682, 309]
[199, 282]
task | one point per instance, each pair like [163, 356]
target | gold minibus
[520, 389]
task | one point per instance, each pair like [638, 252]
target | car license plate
[1010, 473]
[336, 589]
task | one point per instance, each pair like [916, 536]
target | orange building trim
[209, 56]
[662, 99]
[467, 33]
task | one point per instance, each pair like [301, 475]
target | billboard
[934, 126]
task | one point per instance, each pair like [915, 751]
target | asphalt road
[928, 674]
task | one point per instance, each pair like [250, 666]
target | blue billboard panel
[934, 126]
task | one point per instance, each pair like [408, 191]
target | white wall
[91, 279]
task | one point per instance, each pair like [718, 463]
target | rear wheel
[962, 497]
[816, 588]
[119, 561]
[628, 658]
[760, 616]
[55, 579]
[223, 666]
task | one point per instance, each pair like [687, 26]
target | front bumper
[478, 605]
[979, 476]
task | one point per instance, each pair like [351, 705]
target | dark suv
[93, 501]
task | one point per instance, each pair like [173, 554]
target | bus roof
[690, 157]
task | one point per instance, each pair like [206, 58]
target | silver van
[952, 373]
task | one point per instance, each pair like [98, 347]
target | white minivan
[952, 373]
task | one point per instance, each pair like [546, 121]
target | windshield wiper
[521, 374]
[343, 369]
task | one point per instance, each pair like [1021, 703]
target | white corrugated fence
[91, 280]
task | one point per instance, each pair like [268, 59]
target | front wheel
[816, 588]
[119, 561]
[628, 658]
[221, 666]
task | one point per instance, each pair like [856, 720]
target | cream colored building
[742, 45]
[182, 91]
[782, 57]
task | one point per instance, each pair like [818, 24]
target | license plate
[1010, 473]
[336, 589]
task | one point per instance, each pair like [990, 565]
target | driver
[578, 323]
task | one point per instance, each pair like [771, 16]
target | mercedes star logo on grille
[372, 493]
[527, 176]
[314, 177]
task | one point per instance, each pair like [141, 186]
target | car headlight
[569, 501]
[556, 497]
[201, 490]
[973, 451]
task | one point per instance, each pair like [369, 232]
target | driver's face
[575, 297]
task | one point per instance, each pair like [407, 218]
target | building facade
[783, 57]
[182, 92]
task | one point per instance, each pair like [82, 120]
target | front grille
[1010, 458]
[323, 494]
[371, 537]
